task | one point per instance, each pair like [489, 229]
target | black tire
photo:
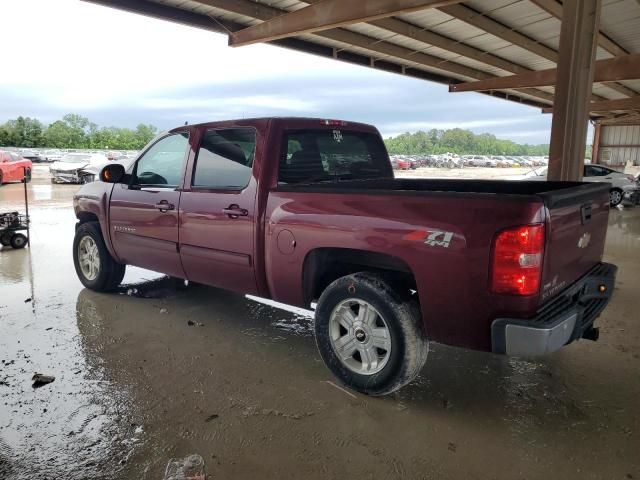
[615, 197]
[409, 345]
[18, 240]
[5, 239]
[27, 175]
[110, 273]
[0, 177]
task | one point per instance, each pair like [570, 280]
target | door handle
[234, 211]
[164, 206]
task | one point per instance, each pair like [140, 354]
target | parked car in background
[33, 155]
[13, 168]
[90, 173]
[71, 168]
[52, 155]
[621, 183]
[403, 163]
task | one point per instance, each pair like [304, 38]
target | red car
[14, 168]
[308, 210]
[403, 164]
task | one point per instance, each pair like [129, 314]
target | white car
[70, 169]
[621, 183]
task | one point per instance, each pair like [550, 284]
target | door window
[225, 159]
[162, 165]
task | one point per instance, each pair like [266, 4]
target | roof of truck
[292, 122]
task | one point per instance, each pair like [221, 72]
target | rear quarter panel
[457, 307]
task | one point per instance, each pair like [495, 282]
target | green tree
[458, 141]
[22, 132]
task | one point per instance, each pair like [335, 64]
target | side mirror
[113, 173]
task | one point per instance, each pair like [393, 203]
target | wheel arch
[85, 217]
[324, 265]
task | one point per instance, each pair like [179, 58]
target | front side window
[162, 165]
[325, 155]
[225, 159]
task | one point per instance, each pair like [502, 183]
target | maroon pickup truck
[308, 210]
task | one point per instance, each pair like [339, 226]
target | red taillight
[631, 178]
[517, 260]
[334, 123]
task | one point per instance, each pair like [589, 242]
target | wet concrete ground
[157, 371]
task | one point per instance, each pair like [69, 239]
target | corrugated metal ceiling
[620, 21]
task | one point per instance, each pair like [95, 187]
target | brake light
[517, 260]
[631, 178]
[334, 123]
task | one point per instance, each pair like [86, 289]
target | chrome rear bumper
[567, 317]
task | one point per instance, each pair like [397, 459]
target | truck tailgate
[575, 235]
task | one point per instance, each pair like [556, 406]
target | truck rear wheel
[94, 265]
[368, 335]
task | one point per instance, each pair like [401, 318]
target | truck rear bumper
[565, 318]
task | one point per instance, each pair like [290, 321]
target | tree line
[73, 131]
[459, 141]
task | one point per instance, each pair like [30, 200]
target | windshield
[76, 158]
[332, 155]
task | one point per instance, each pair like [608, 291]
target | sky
[121, 69]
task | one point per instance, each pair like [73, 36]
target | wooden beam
[575, 76]
[328, 14]
[554, 8]
[632, 103]
[414, 32]
[610, 69]
[264, 12]
[595, 144]
[407, 29]
[500, 30]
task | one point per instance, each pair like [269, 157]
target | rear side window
[591, 171]
[325, 155]
[225, 159]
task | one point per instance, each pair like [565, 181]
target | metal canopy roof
[449, 42]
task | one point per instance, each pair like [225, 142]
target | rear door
[575, 236]
[144, 214]
[217, 210]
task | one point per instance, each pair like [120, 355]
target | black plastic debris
[40, 380]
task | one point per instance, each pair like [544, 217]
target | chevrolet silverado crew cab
[308, 210]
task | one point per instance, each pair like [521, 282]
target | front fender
[91, 203]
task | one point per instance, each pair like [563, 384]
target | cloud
[157, 72]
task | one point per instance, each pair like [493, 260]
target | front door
[144, 213]
[217, 211]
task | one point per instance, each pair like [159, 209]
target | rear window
[332, 155]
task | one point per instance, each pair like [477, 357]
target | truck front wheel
[95, 267]
[369, 335]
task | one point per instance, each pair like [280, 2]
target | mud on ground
[156, 371]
